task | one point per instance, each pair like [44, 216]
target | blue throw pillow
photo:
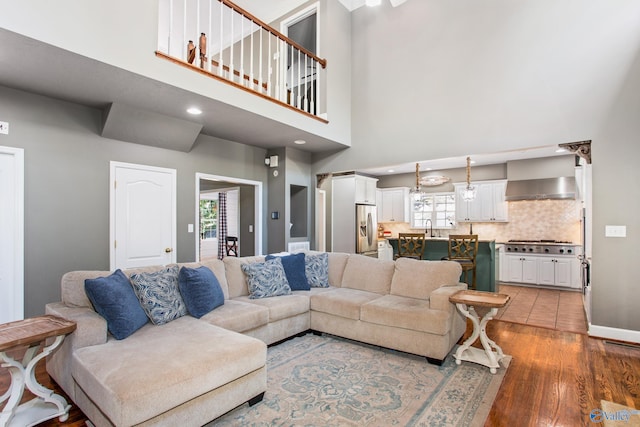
[114, 299]
[266, 279]
[200, 290]
[317, 269]
[159, 295]
[294, 268]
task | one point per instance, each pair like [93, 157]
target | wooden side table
[466, 301]
[31, 333]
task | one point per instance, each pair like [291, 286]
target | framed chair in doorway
[231, 246]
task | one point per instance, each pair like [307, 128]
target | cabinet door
[514, 268]
[365, 190]
[562, 276]
[398, 205]
[529, 270]
[500, 207]
[484, 199]
[387, 207]
[547, 271]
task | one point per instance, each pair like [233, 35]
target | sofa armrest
[439, 299]
[91, 327]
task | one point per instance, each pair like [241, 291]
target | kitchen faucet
[429, 223]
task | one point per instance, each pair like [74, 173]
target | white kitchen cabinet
[488, 206]
[556, 271]
[365, 189]
[393, 204]
[543, 270]
[522, 269]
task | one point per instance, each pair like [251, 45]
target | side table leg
[469, 313]
[487, 343]
[39, 390]
[16, 389]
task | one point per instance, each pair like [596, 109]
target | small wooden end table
[31, 333]
[466, 301]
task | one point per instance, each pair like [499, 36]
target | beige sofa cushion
[282, 306]
[238, 316]
[337, 263]
[343, 302]
[147, 374]
[368, 274]
[405, 313]
[417, 279]
[236, 279]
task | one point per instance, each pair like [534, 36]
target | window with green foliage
[208, 219]
[440, 208]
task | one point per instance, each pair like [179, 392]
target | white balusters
[242, 48]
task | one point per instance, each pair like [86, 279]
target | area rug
[329, 381]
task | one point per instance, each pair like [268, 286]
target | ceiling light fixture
[416, 193]
[372, 3]
[469, 193]
[194, 111]
[300, 141]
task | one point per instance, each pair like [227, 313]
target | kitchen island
[438, 247]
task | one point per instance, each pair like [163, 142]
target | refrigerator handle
[369, 229]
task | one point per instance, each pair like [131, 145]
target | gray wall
[67, 186]
[434, 79]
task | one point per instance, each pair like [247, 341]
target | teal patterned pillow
[266, 279]
[316, 267]
[159, 295]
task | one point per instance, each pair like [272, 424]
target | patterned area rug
[326, 380]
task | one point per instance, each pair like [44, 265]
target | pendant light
[417, 193]
[469, 193]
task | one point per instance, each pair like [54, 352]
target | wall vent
[298, 246]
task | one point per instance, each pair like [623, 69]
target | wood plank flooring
[556, 377]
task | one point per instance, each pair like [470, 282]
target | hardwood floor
[556, 377]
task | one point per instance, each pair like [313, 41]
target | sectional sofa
[200, 363]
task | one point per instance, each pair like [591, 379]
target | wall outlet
[4, 128]
[189, 228]
[615, 231]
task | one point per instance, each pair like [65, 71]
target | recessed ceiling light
[473, 162]
[300, 141]
[391, 171]
[428, 169]
[194, 110]
[560, 150]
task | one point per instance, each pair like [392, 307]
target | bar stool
[463, 249]
[410, 245]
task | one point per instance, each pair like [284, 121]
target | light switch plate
[4, 128]
[190, 228]
[615, 231]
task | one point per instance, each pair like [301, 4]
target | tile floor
[548, 308]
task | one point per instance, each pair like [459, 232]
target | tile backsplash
[528, 220]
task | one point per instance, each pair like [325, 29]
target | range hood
[540, 189]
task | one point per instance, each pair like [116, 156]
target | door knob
[168, 250]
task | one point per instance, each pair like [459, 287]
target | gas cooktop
[543, 241]
[550, 247]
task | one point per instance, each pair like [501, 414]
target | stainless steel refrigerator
[366, 230]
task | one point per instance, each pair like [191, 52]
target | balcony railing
[220, 39]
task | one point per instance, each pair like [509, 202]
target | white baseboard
[614, 333]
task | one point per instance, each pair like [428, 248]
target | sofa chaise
[191, 370]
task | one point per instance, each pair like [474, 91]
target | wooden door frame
[113, 166]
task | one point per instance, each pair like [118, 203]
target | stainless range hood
[540, 189]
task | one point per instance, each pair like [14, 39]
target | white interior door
[11, 234]
[143, 215]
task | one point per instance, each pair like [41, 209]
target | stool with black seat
[463, 249]
[410, 245]
[231, 246]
